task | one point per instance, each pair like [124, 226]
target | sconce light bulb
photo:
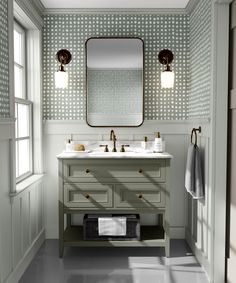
[61, 79]
[167, 79]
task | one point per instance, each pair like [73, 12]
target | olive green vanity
[134, 183]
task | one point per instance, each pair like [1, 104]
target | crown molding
[191, 5]
[227, 2]
[28, 8]
[115, 11]
[39, 6]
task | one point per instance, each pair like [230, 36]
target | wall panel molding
[175, 133]
[7, 128]
[27, 258]
[218, 146]
[67, 127]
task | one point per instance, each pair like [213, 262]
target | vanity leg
[167, 247]
[61, 229]
[61, 250]
[166, 226]
[68, 219]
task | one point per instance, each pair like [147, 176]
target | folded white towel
[112, 226]
[193, 174]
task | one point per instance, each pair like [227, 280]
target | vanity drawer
[93, 170]
[136, 195]
[89, 195]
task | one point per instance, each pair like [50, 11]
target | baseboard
[16, 274]
[202, 259]
[51, 233]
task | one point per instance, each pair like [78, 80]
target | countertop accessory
[158, 143]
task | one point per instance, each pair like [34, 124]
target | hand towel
[112, 226]
[193, 174]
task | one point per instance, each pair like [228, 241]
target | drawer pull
[87, 196]
[140, 196]
[140, 171]
[87, 171]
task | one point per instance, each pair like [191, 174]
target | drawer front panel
[146, 195]
[93, 171]
[79, 195]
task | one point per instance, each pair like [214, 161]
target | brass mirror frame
[143, 88]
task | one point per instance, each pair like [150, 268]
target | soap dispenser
[144, 143]
[68, 145]
[158, 143]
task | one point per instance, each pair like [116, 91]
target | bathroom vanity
[114, 183]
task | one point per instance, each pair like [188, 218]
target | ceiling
[118, 4]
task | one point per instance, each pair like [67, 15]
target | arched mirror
[114, 69]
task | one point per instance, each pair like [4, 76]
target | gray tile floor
[114, 265]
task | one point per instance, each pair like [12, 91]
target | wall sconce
[165, 57]
[61, 76]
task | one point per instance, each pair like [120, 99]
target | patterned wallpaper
[120, 91]
[200, 60]
[158, 32]
[4, 93]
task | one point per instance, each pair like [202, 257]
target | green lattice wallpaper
[158, 32]
[200, 60]
[4, 93]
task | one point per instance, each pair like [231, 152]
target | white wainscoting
[176, 138]
[199, 228]
[21, 215]
[190, 219]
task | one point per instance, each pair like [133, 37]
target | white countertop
[119, 155]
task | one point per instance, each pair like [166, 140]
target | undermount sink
[110, 153]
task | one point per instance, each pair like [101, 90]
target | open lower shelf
[151, 236]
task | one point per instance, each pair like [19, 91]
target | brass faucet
[113, 138]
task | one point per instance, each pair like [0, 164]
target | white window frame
[24, 100]
[23, 66]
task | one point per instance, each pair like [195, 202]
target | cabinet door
[88, 195]
[136, 195]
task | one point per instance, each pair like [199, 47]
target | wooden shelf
[151, 236]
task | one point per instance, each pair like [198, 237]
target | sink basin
[110, 153]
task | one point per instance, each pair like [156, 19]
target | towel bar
[195, 130]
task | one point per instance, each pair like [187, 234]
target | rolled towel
[112, 226]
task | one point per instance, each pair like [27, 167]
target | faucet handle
[123, 147]
[106, 147]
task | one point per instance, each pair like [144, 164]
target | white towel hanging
[193, 173]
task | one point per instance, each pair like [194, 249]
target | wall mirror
[114, 76]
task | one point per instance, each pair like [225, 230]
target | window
[23, 107]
